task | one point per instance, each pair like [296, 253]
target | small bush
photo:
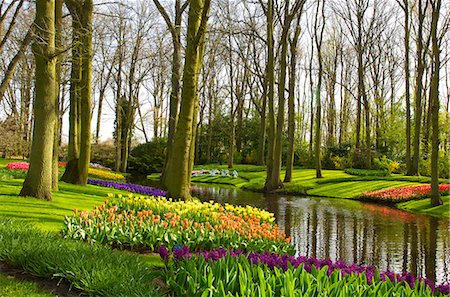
[147, 158]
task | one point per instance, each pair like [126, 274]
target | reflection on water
[353, 231]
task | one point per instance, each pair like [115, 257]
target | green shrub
[443, 165]
[366, 172]
[337, 157]
[93, 269]
[386, 164]
[147, 158]
[103, 153]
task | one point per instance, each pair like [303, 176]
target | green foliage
[103, 153]
[236, 276]
[366, 172]
[385, 164]
[147, 158]
[337, 157]
[6, 173]
[94, 269]
[443, 166]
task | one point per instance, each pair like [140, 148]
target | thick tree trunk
[38, 182]
[178, 175]
[174, 104]
[86, 89]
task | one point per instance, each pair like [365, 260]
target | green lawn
[49, 216]
[334, 184]
[11, 287]
[423, 206]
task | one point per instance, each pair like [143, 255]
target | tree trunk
[434, 102]
[418, 93]
[232, 113]
[38, 182]
[174, 104]
[71, 173]
[262, 127]
[178, 175]
[291, 105]
[58, 46]
[86, 88]
[407, 93]
[271, 87]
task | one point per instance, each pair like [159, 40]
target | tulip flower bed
[18, 166]
[403, 194]
[231, 273]
[102, 174]
[149, 191]
[147, 223]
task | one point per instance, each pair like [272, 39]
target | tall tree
[58, 46]
[421, 46]
[80, 103]
[434, 101]
[274, 181]
[178, 175]
[38, 182]
[318, 38]
[291, 102]
[404, 4]
[175, 31]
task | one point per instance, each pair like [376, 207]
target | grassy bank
[46, 221]
[49, 216]
[335, 184]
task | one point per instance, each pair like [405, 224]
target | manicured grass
[11, 287]
[423, 206]
[46, 215]
[335, 183]
[94, 269]
[49, 216]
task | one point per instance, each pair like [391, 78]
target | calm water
[353, 231]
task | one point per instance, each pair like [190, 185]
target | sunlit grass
[11, 287]
[46, 215]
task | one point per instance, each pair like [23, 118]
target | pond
[356, 232]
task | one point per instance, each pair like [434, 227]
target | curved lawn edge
[423, 206]
[335, 184]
